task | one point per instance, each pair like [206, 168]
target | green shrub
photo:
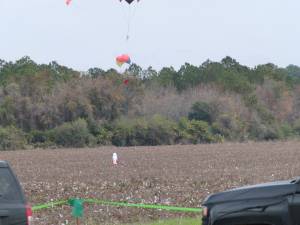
[104, 137]
[250, 100]
[71, 134]
[183, 136]
[296, 126]
[37, 136]
[195, 131]
[161, 131]
[273, 133]
[202, 111]
[286, 130]
[12, 138]
[200, 133]
[155, 131]
[235, 82]
[122, 132]
[265, 114]
[41, 139]
[261, 131]
[230, 128]
[101, 132]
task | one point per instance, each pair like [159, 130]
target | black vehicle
[276, 203]
[13, 207]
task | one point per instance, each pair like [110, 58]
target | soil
[181, 175]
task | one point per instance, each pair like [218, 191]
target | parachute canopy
[120, 60]
[126, 81]
[129, 1]
[68, 2]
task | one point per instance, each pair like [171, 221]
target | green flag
[77, 207]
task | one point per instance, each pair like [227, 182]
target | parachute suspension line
[128, 23]
[123, 29]
[131, 15]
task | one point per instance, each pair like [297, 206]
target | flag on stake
[115, 159]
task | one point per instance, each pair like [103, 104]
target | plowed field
[179, 175]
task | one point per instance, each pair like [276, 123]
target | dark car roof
[3, 164]
[260, 191]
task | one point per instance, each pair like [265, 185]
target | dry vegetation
[167, 102]
[174, 175]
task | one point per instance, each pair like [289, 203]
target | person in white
[115, 159]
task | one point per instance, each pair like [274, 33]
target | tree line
[51, 105]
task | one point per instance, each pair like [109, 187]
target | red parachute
[126, 82]
[68, 2]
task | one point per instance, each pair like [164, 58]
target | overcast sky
[91, 33]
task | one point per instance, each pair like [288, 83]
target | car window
[9, 189]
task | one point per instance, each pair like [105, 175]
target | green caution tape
[49, 205]
[118, 204]
[144, 206]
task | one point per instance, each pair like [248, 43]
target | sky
[91, 33]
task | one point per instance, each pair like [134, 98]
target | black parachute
[130, 1]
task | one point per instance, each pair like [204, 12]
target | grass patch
[180, 221]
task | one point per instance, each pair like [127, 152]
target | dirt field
[174, 175]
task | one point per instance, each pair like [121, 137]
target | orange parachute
[120, 60]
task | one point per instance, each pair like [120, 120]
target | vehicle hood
[266, 190]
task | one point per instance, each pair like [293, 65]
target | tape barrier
[118, 204]
[144, 206]
[49, 205]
